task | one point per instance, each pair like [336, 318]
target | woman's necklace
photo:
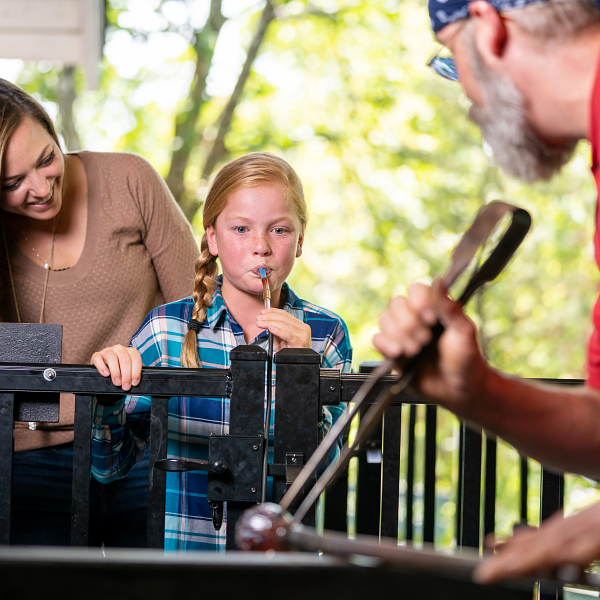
[47, 266]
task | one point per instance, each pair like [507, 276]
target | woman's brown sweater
[139, 253]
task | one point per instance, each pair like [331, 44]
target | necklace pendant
[46, 266]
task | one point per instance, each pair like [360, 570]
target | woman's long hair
[248, 171]
[15, 105]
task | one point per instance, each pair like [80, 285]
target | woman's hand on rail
[571, 544]
[456, 374]
[124, 365]
[288, 332]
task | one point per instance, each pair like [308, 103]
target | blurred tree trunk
[186, 132]
[185, 128]
[218, 149]
[66, 96]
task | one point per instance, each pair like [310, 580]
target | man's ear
[211, 238]
[299, 246]
[490, 32]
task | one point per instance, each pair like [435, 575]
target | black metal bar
[7, 407]
[296, 431]
[85, 379]
[459, 490]
[80, 491]
[551, 501]
[471, 488]
[551, 493]
[62, 574]
[524, 480]
[246, 412]
[489, 497]
[368, 483]
[410, 472]
[167, 381]
[368, 488]
[159, 418]
[351, 383]
[390, 472]
[429, 474]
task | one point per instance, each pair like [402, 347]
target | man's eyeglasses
[444, 65]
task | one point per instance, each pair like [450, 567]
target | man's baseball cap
[444, 12]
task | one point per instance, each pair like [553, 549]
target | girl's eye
[241, 229]
[48, 160]
[280, 230]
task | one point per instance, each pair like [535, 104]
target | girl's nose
[261, 245]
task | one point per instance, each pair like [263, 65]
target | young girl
[254, 217]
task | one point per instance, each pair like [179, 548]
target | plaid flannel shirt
[120, 432]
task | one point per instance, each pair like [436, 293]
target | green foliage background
[393, 173]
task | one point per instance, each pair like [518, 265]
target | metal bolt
[294, 459]
[49, 374]
[332, 388]
[255, 447]
[253, 490]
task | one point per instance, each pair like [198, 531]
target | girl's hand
[124, 365]
[288, 332]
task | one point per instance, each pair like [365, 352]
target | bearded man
[531, 71]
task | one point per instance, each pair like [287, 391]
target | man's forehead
[446, 35]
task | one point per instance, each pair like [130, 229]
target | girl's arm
[120, 431]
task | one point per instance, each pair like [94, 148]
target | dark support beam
[471, 488]
[489, 497]
[410, 473]
[429, 474]
[82, 446]
[7, 407]
[524, 486]
[246, 412]
[390, 472]
[551, 499]
[295, 429]
[157, 486]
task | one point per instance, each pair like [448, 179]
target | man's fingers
[573, 541]
[402, 325]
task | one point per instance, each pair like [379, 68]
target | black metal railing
[30, 392]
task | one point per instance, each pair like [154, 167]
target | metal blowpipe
[473, 239]
[267, 300]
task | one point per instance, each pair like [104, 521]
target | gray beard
[518, 150]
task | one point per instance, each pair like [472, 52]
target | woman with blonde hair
[91, 241]
[254, 218]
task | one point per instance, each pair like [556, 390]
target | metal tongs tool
[473, 239]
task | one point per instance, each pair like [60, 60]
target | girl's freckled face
[257, 228]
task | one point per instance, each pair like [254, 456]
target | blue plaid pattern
[120, 432]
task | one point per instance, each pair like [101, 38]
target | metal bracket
[178, 465]
[243, 479]
[294, 461]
